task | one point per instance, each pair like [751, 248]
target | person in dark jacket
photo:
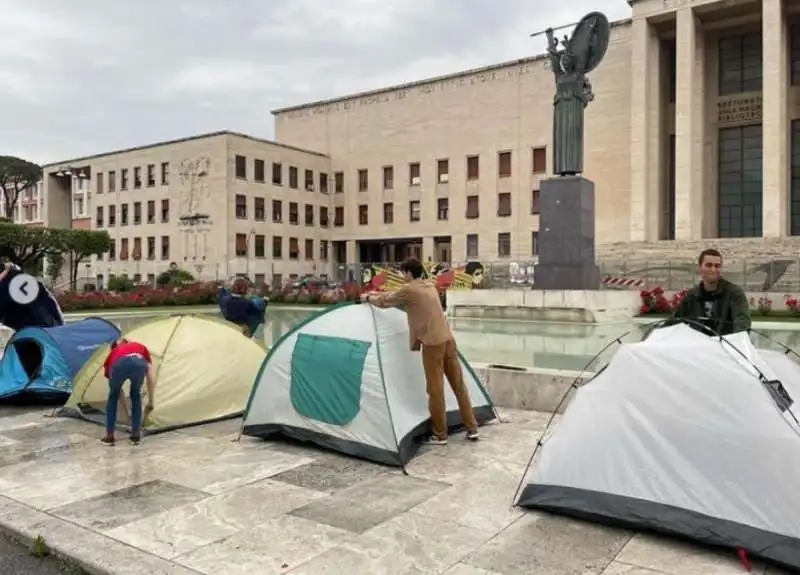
[716, 303]
[238, 308]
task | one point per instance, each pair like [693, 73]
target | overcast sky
[79, 77]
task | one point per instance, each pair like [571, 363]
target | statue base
[566, 235]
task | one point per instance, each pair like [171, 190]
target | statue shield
[589, 41]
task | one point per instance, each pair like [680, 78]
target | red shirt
[125, 349]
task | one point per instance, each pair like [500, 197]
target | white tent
[346, 379]
[682, 433]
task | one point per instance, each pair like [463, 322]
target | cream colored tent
[204, 369]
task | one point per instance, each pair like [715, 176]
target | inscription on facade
[421, 91]
[739, 110]
[674, 4]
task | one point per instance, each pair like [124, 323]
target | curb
[93, 552]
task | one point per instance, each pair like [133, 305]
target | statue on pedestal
[570, 60]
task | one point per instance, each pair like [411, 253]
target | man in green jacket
[716, 303]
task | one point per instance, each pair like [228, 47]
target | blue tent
[41, 361]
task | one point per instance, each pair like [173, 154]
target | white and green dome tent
[345, 379]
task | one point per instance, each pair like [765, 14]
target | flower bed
[195, 294]
[655, 302]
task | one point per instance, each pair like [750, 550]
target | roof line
[418, 83]
[181, 141]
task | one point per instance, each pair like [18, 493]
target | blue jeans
[127, 368]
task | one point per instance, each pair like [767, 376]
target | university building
[693, 138]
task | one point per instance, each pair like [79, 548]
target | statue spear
[553, 29]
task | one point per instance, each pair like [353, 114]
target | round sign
[23, 289]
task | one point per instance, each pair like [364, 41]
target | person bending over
[716, 303]
[128, 361]
[429, 331]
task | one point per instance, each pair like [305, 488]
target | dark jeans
[127, 368]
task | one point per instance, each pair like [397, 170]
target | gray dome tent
[686, 434]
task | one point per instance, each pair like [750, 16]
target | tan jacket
[427, 323]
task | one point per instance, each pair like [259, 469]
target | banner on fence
[388, 278]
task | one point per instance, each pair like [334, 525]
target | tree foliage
[81, 244]
[16, 176]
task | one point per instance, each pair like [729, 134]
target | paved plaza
[198, 502]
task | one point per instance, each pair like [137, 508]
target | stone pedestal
[566, 236]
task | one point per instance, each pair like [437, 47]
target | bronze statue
[570, 59]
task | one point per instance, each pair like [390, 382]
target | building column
[351, 253]
[689, 127]
[646, 132]
[775, 121]
[428, 249]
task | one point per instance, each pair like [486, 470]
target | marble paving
[196, 502]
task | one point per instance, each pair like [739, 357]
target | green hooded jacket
[724, 310]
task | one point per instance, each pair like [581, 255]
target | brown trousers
[440, 361]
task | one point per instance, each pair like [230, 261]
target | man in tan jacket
[429, 331]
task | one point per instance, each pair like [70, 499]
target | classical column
[646, 132]
[689, 127]
[775, 122]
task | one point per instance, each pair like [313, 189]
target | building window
[112, 182]
[137, 249]
[323, 183]
[414, 174]
[338, 217]
[164, 211]
[241, 245]
[309, 209]
[123, 217]
[794, 57]
[442, 207]
[323, 250]
[472, 246]
[388, 213]
[123, 179]
[123, 250]
[323, 216]
[535, 202]
[241, 167]
[309, 251]
[151, 248]
[151, 175]
[473, 168]
[277, 211]
[277, 247]
[294, 248]
[164, 173]
[112, 216]
[112, 250]
[363, 215]
[259, 209]
[740, 179]
[503, 205]
[473, 208]
[539, 160]
[504, 244]
[294, 179]
[260, 246]
[338, 182]
[294, 214]
[413, 211]
[98, 219]
[363, 180]
[137, 178]
[740, 65]
[258, 171]
[443, 171]
[151, 212]
[504, 165]
[534, 243]
[99, 183]
[241, 207]
[137, 213]
[309, 180]
[277, 174]
[164, 247]
[388, 177]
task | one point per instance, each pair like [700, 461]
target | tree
[26, 246]
[81, 244]
[55, 264]
[16, 176]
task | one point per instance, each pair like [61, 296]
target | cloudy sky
[85, 76]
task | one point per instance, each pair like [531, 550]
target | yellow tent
[204, 369]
